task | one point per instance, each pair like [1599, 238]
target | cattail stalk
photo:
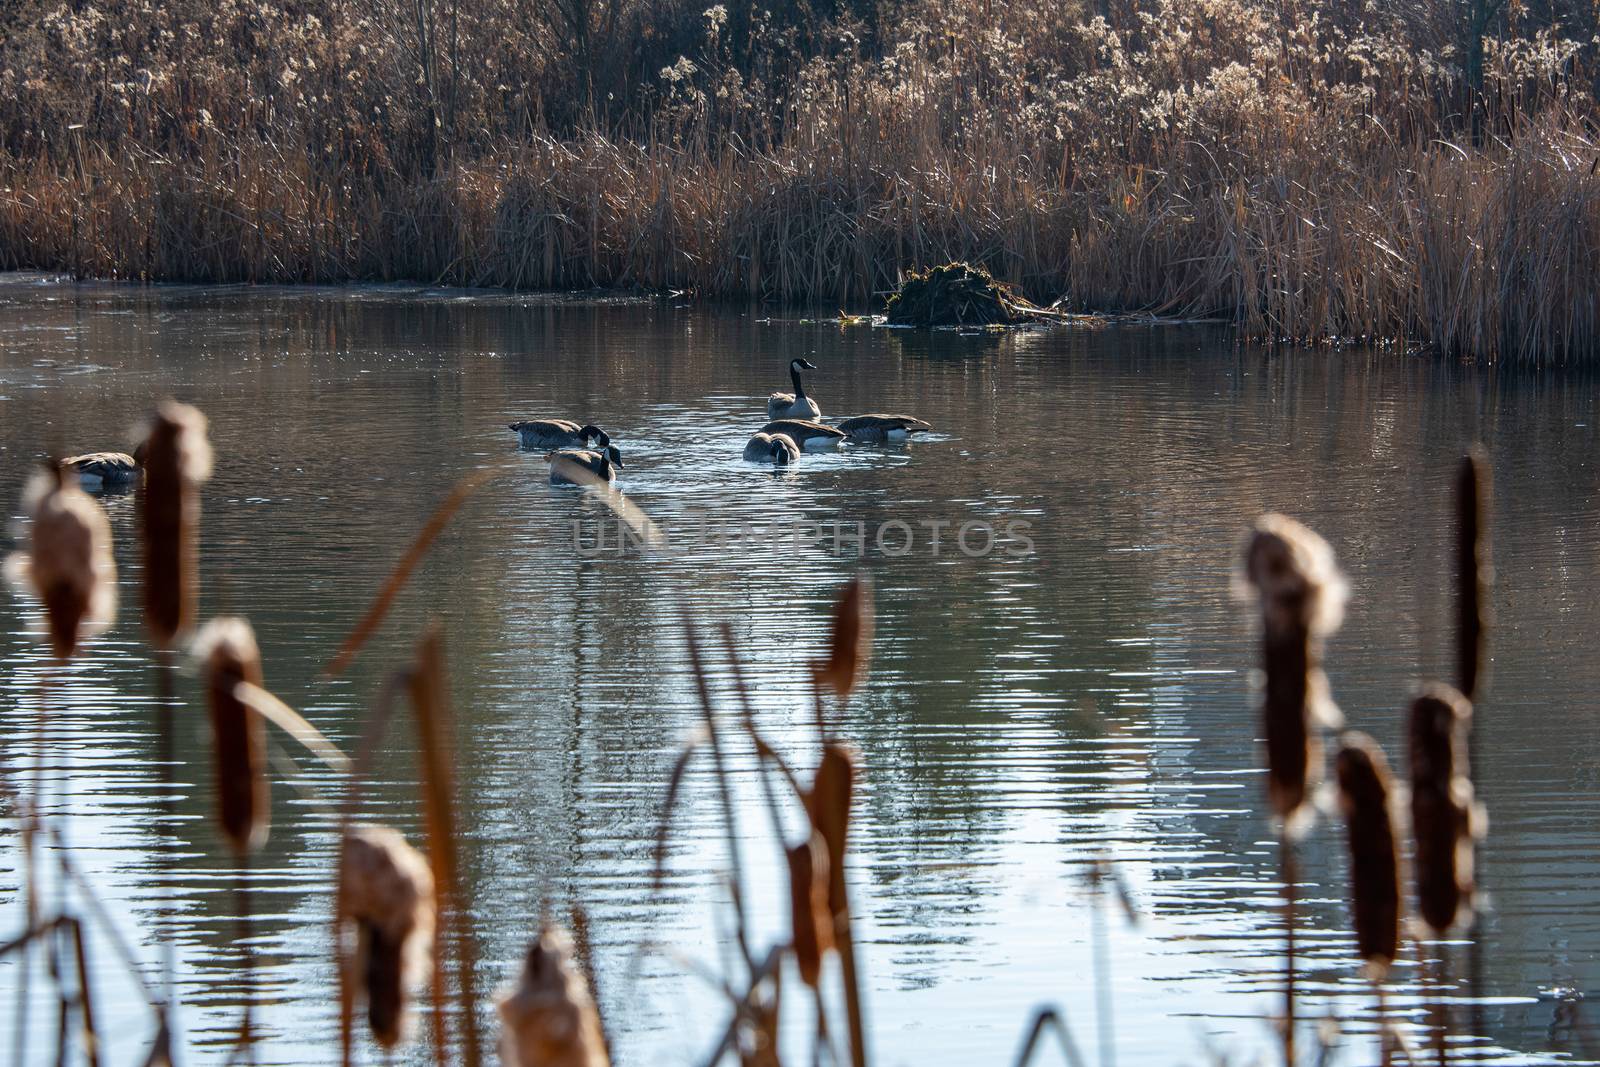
[177, 459]
[68, 564]
[68, 567]
[1301, 595]
[430, 701]
[230, 660]
[229, 656]
[828, 805]
[1474, 575]
[386, 900]
[1364, 796]
[548, 1019]
[1443, 822]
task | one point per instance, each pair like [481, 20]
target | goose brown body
[878, 427]
[555, 433]
[806, 433]
[568, 465]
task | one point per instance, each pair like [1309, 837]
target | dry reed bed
[1489, 252]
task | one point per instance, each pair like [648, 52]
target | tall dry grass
[1326, 176]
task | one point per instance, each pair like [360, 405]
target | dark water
[1028, 712]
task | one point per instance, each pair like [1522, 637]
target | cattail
[68, 563]
[548, 1018]
[177, 459]
[1442, 808]
[1301, 594]
[226, 649]
[1473, 569]
[1364, 793]
[811, 919]
[851, 645]
[386, 893]
[828, 805]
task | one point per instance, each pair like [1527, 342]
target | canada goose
[795, 405]
[882, 427]
[805, 433]
[555, 433]
[778, 449]
[602, 463]
[106, 472]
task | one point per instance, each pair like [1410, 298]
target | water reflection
[1026, 715]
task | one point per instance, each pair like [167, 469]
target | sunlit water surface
[1078, 693]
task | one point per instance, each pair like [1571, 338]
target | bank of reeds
[1325, 172]
[1487, 252]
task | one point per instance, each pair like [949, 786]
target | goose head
[615, 456]
[591, 432]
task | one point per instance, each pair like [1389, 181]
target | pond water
[1077, 693]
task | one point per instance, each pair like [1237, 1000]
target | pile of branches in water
[958, 294]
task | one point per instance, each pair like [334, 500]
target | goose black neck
[794, 376]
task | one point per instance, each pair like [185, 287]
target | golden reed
[177, 459]
[548, 1019]
[228, 654]
[386, 896]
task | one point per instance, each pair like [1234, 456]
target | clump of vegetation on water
[955, 294]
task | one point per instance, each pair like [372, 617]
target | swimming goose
[555, 433]
[882, 427]
[805, 433]
[795, 405]
[105, 472]
[778, 449]
[602, 463]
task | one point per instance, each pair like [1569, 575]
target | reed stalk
[1365, 795]
[1474, 579]
[1300, 596]
[435, 735]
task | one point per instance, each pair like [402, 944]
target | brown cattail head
[226, 649]
[1474, 569]
[386, 894]
[1364, 795]
[811, 919]
[851, 646]
[68, 563]
[177, 459]
[1301, 595]
[548, 1018]
[828, 804]
[1442, 808]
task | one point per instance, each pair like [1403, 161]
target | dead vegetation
[1381, 173]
